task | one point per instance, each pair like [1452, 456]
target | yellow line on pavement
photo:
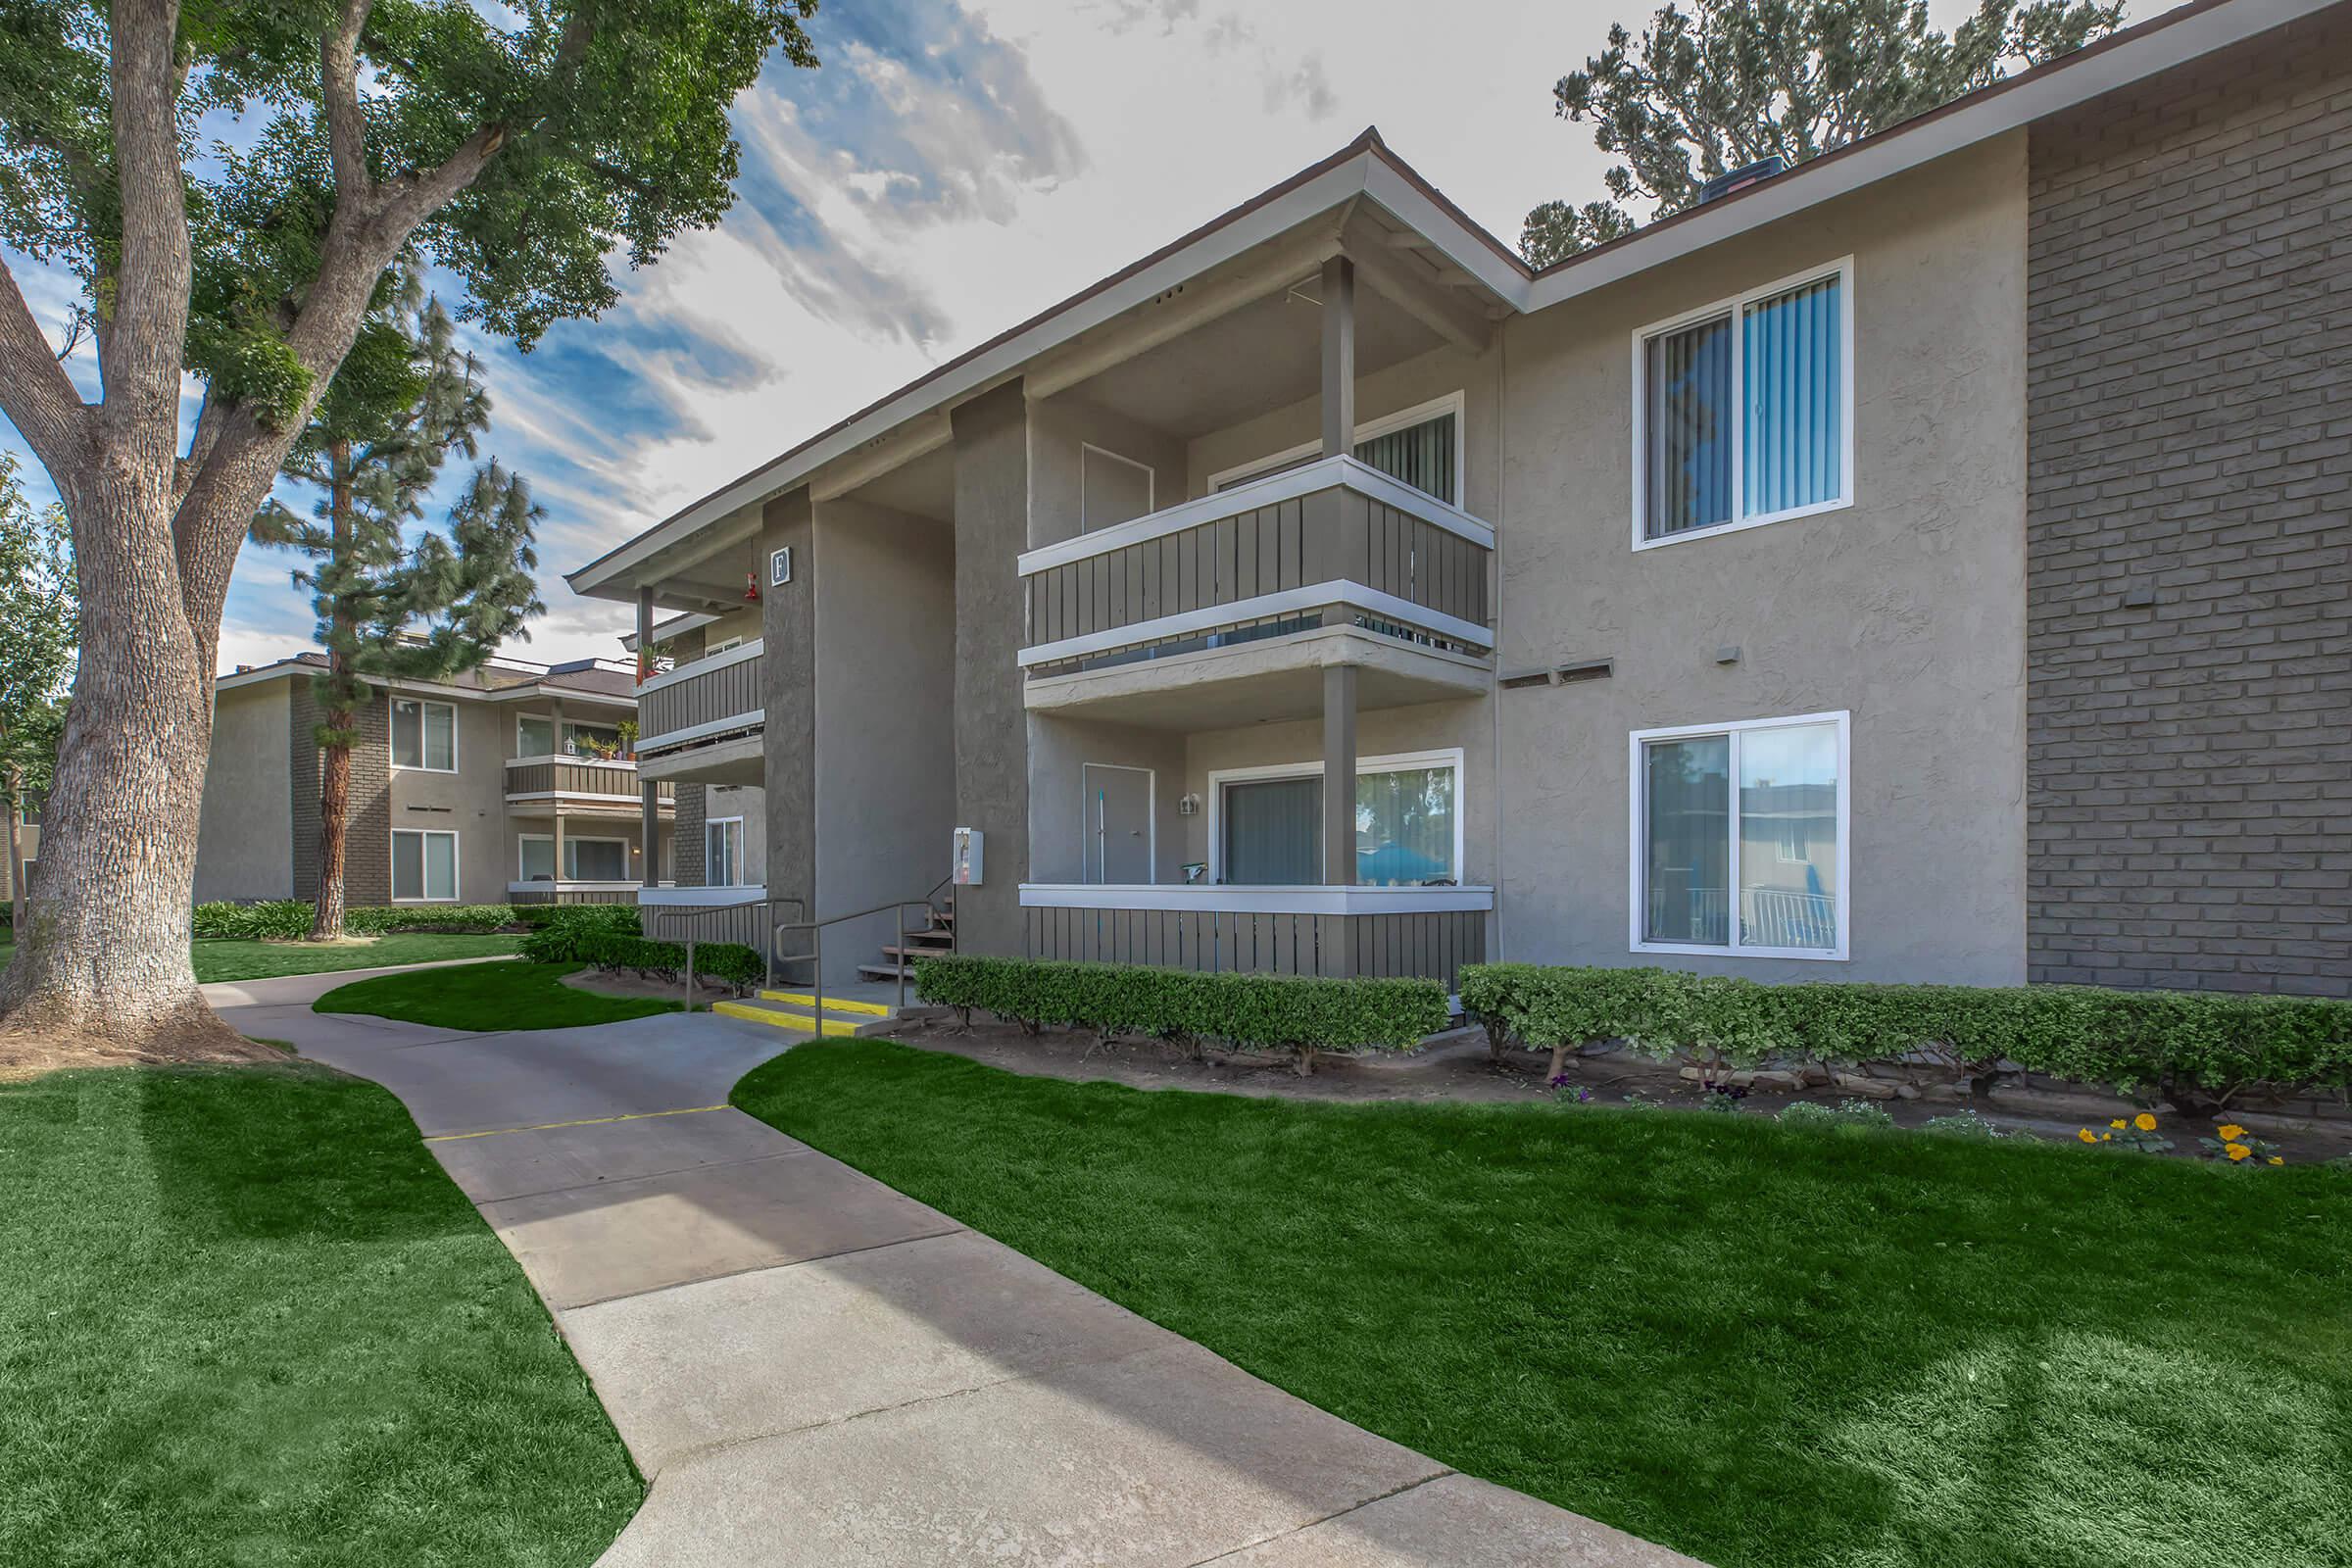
[590, 1121]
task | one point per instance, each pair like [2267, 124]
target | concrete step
[783, 1017]
[886, 971]
[806, 1001]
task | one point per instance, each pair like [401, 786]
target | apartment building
[1928, 564]
[513, 783]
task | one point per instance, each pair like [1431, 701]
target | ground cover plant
[234, 958]
[609, 938]
[488, 997]
[246, 1318]
[1807, 1346]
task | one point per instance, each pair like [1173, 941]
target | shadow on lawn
[315, 1153]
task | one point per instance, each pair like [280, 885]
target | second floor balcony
[1244, 594]
[703, 721]
[577, 784]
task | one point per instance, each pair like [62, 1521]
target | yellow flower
[2088, 1136]
[2117, 1124]
[2106, 1138]
[2236, 1151]
[2144, 1122]
[2278, 1159]
[2231, 1132]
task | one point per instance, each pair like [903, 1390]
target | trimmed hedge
[608, 937]
[1263, 1012]
[289, 919]
[2198, 1049]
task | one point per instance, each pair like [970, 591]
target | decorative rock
[1786, 1083]
[1906, 1090]
[1818, 1076]
[1866, 1088]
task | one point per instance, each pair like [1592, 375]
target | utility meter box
[968, 870]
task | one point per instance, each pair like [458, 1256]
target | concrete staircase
[938, 936]
[797, 1010]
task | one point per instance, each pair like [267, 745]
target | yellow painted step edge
[801, 1023]
[801, 999]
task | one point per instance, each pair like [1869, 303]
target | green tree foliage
[38, 629]
[389, 607]
[1705, 91]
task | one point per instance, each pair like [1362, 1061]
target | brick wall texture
[368, 832]
[2190, 530]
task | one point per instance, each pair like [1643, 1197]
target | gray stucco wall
[472, 802]
[2189, 529]
[992, 727]
[1059, 749]
[885, 718]
[788, 673]
[1060, 429]
[1905, 610]
[244, 843]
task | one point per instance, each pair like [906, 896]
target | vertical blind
[1274, 832]
[1688, 376]
[1782, 376]
[1421, 455]
[1795, 399]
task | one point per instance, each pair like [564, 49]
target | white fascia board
[1225, 900]
[703, 666]
[757, 719]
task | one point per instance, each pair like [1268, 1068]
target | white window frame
[521, 719]
[1736, 307]
[1393, 763]
[1420, 412]
[1638, 842]
[735, 872]
[1151, 484]
[456, 863]
[391, 743]
[1086, 827]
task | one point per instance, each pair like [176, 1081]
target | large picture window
[425, 867]
[1744, 410]
[1740, 838]
[585, 860]
[424, 735]
[1268, 826]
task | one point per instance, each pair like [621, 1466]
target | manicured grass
[1765, 1346]
[232, 958]
[245, 1318]
[488, 996]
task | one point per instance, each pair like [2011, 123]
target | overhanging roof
[1366, 169]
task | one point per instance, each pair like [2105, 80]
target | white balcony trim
[701, 667]
[1331, 472]
[1208, 898]
[576, 887]
[753, 720]
[621, 763]
[1289, 602]
[699, 898]
[534, 797]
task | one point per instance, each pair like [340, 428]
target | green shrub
[289, 919]
[1259, 1012]
[606, 937]
[2198, 1049]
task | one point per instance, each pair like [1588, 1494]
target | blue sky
[951, 169]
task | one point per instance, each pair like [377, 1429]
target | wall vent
[1512, 680]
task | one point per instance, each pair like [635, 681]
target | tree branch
[35, 393]
[339, 90]
[140, 357]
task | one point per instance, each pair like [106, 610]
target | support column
[1339, 775]
[1339, 355]
[649, 814]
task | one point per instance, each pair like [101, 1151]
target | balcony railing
[699, 700]
[1271, 557]
[1328, 931]
[576, 779]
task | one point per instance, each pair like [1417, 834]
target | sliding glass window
[1744, 410]
[1740, 837]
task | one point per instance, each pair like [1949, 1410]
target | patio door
[1119, 824]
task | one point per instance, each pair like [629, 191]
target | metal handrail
[815, 956]
[692, 913]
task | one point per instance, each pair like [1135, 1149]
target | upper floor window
[424, 735]
[1420, 446]
[1743, 410]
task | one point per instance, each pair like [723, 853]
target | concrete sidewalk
[813, 1369]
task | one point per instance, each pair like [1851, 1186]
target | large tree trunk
[334, 815]
[15, 854]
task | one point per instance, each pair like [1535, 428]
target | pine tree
[390, 607]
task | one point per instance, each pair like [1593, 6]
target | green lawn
[232, 958]
[489, 995]
[245, 1318]
[1767, 1346]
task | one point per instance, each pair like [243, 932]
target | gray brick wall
[2190, 530]
[368, 832]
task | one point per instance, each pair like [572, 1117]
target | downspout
[1502, 383]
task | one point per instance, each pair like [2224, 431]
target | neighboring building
[511, 784]
[29, 841]
[1930, 564]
